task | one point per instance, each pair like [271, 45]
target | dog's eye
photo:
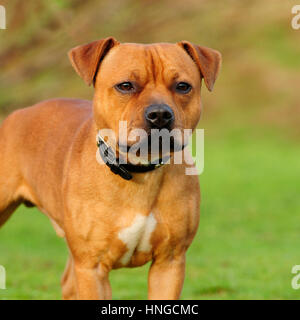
[183, 87]
[125, 87]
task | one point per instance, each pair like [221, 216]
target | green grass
[246, 245]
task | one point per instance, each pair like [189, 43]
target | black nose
[159, 116]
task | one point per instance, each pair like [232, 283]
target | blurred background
[249, 234]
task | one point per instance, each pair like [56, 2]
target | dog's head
[155, 86]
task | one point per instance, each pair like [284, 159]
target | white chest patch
[137, 236]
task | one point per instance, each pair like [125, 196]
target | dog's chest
[137, 237]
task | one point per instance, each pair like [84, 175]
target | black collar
[123, 170]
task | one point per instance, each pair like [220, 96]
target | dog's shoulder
[53, 111]
[60, 106]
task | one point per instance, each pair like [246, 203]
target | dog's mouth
[155, 144]
[148, 148]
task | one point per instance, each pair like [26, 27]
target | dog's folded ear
[86, 59]
[208, 61]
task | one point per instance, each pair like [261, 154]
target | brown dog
[48, 160]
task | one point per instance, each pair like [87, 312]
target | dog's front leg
[92, 282]
[166, 277]
[68, 281]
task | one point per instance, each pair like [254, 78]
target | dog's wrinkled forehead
[143, 63]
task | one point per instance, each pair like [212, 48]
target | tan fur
[48, 159]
